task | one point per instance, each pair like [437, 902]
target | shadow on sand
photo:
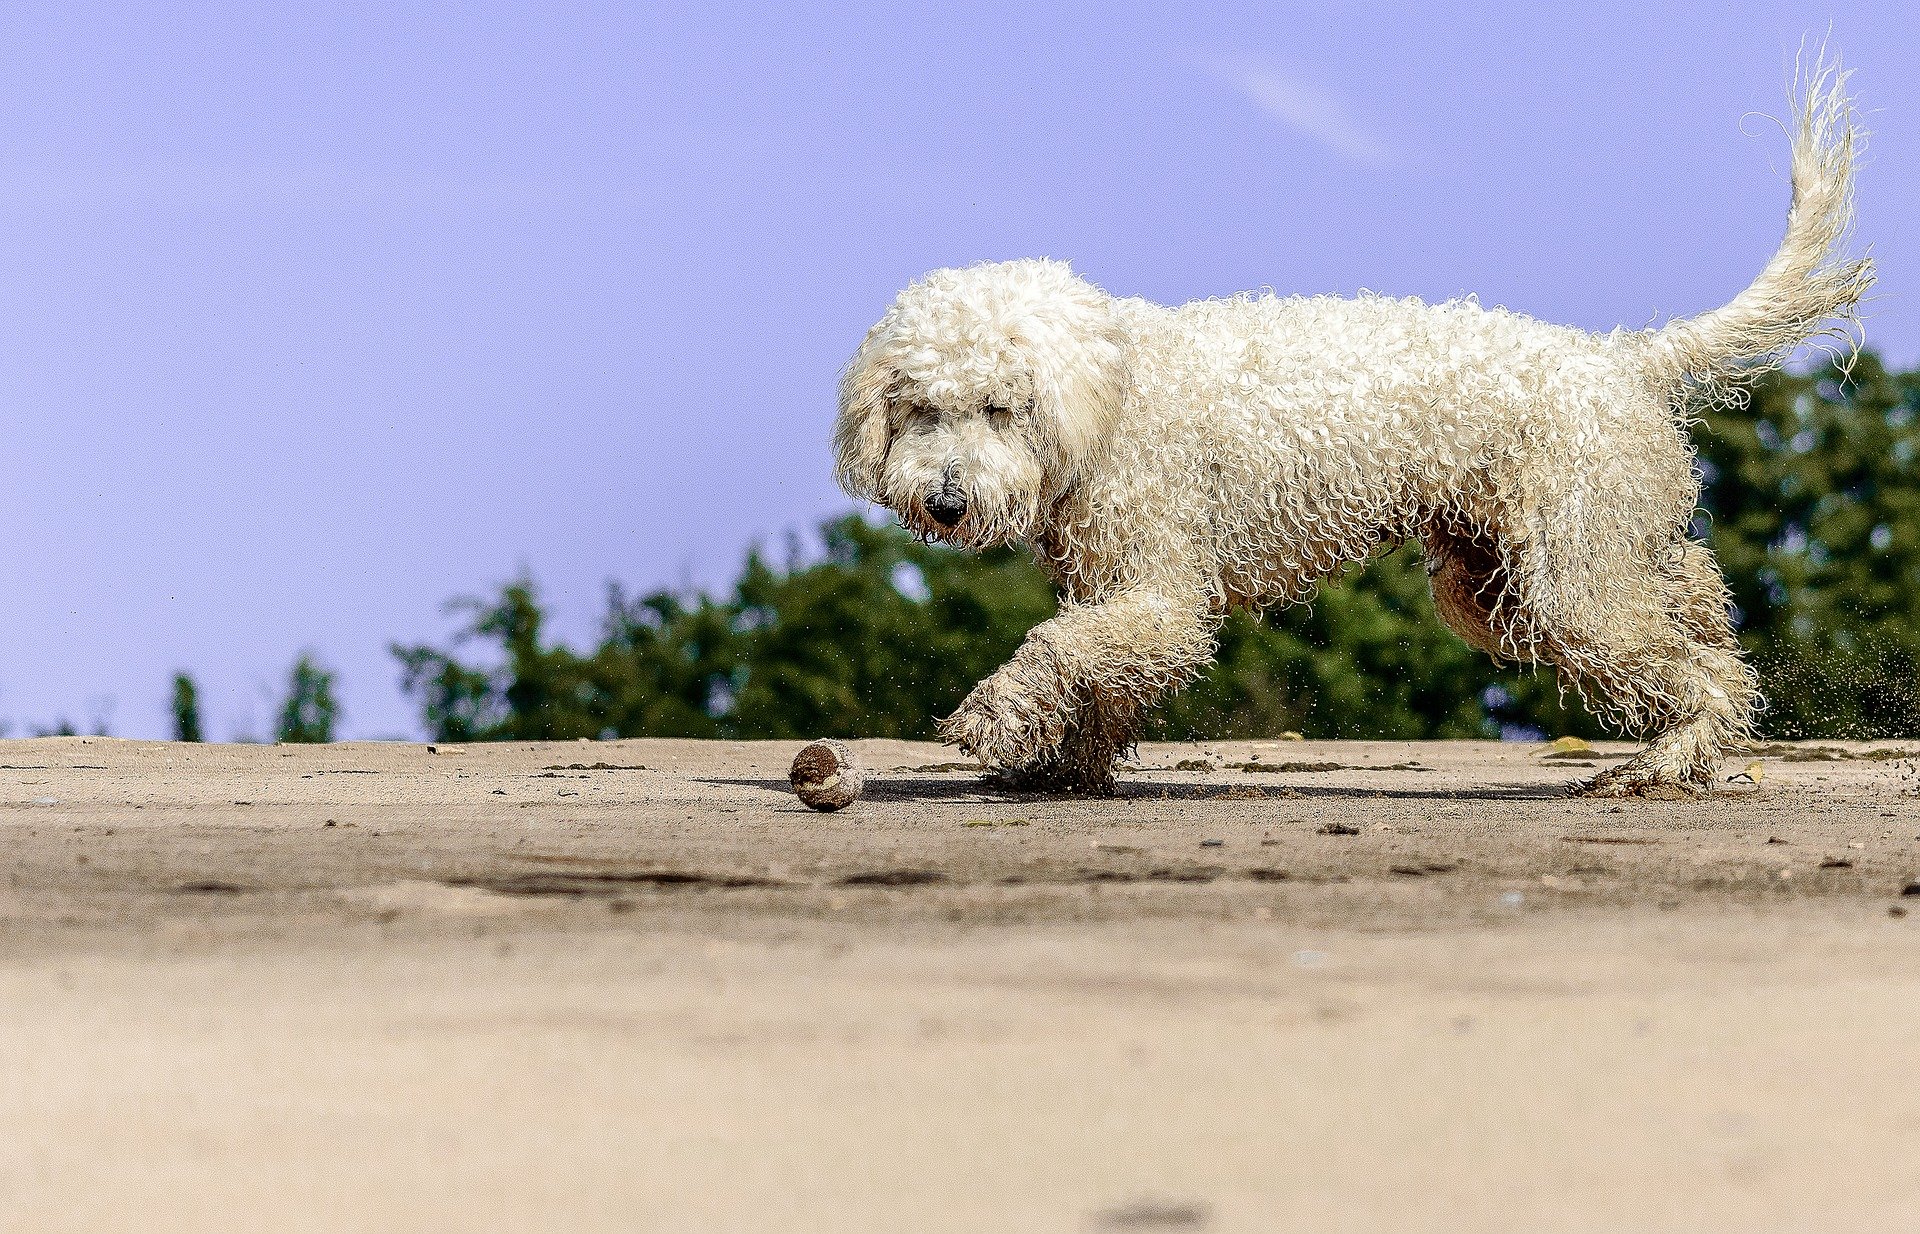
[972, 789]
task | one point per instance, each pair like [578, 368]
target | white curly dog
[1168, 464]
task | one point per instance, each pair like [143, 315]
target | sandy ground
[634, 985]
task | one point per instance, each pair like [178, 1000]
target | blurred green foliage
[309, 711]
[186, 708]
[868, 640]
[1811, 501]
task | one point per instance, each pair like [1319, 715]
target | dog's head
[976, 400]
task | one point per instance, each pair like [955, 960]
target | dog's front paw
[1644, 778]
[1005, 725]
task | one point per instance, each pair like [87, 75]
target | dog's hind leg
[1696, 692]
[1648, 643]
[1584, 565]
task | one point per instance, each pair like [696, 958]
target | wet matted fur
[1169, 463]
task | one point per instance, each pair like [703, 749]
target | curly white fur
[1167, 464]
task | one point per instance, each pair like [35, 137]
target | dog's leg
[1102, 729]
[1662, 658]
[1066, 703]
[1699, 692]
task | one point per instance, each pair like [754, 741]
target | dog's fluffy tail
[1810, 288]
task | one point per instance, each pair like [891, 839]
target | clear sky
[316, 316]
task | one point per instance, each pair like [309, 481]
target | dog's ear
[1085, 389]
[865, 426]
[1089, 390]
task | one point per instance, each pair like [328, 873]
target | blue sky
[316, 316]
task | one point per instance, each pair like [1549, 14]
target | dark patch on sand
[893, 878]
[610, 882]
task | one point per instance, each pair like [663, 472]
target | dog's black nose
[947, 509]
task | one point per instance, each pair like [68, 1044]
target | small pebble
[1911, 889]
[1211, 843]
[1338, 829]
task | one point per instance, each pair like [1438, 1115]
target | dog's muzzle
[946, 507]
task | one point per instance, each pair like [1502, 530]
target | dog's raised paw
[964, 729]
[1004, 727]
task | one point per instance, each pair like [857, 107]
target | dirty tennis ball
[825, 776]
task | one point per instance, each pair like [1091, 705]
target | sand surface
[635, 986]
